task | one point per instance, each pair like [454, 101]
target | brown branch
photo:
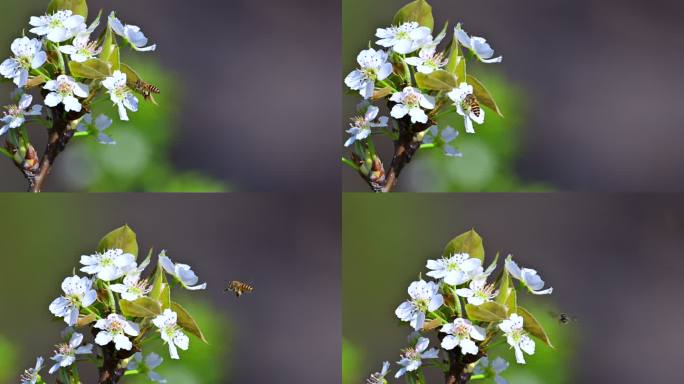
[62, 130]
[111, 372]
[405, 147]
[458, 372]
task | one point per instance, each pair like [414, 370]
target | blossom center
[462, 331]
[421, 304]
[64, 349]
[411, 353]
[369, 73]
[116, 326]
[24, 61]
[65, 89]
[14, 111]
[29, 375]
[74, 299]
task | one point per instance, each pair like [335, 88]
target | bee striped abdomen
[146, 89]
[239, 288]
[473, 104]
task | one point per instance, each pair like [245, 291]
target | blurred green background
[598, 252]
[222, 237]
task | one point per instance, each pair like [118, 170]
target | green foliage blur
[489, 155]
[140, 160]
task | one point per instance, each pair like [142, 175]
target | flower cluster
[121, 309]
[64, 60]
[466, 311]
[425, 87]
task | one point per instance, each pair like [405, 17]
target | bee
[471, 102]
[239, 288]
[146, 89]
[563, 318]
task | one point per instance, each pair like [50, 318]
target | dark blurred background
[590, 91]
[614, 262]
[239, 107]
[286, 331]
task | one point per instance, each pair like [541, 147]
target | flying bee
[471, 102]
[563, 318]
[146, 89]
[239, 288]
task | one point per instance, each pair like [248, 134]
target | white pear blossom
[429, 45]
[32, 375]
[516, 337]
[443, 138]
[182, 272]
[425, 297]
[455, 269]
[28, 54]
[108, 265]
[477, 45]
[78, 293]
[461, 333]
[115, 328]
[462, 98]
[15, 115]
[130, 33]
[65, 354]
[361, 125]
[99, 125]
[59, 26]
[405, 38]
[65, 90]
[81, 49]
[478, 291]
[427, 61]
[379, 377]
[171, 333]
[412, 357]
[410, 101]
[120, 94]
[373, 66]
[529, 277]
[484, 367]
[146, 366]
[132, 287]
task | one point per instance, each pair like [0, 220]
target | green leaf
[469, 242]
[92, 69]
[490, 311]
[131, 75]
[110, 50]
[531, 325]
[507, 295]
[142, 307]
[438, 80]
[418, 10]
[121, 238]
[483, 95]
[78, 7]
[187, 322]
[456, 63]
[161, 290]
